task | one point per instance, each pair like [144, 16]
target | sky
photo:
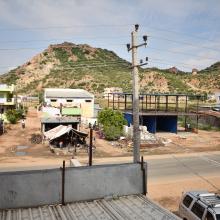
[185, 34]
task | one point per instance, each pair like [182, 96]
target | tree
[112, 123]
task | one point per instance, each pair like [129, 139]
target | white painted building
[78, 98]
[108, 92]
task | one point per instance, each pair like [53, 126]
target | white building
[75, 98]
[108, 92]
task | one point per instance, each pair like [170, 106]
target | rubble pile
[36, 139]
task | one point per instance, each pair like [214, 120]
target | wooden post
[146, 102]
[166, 103]
[90, 147]
[125, 101]
[63, 183]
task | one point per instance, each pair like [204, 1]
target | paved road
[167, 167]
[184, 167]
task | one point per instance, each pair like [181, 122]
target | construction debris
[36, 139]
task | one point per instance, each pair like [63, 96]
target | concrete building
[108, 92]
[7, 100]
[71, 98]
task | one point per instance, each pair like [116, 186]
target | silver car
[200, 205]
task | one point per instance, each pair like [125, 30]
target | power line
[179, 67]
[184, 42]
[178, 33]
[63, 39]
[55, 47]
[184, 64]
[67, 27]
[153, 48]
[184, 53]
[124, 62]
[88, 66]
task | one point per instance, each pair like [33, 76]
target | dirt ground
[162, 193]
[40, 155]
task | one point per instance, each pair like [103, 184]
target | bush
[112, 133]
[14, 115]
[12, 119]
[112, 122]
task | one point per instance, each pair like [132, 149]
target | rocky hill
[68, 65]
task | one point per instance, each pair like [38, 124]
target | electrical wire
[169, 62]
[177, 33]
[67, 27]
[183, 53]
[184, 42]
[64, 39]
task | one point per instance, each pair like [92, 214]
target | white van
[200, 205]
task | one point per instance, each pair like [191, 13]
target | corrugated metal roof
[67, 93]
[57, 132]
[127, 207]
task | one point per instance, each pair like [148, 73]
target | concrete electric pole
[135, 87]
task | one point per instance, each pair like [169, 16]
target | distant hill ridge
[68, 65]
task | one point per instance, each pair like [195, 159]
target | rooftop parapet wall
[44, 187]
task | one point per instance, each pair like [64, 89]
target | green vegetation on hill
[81, 66]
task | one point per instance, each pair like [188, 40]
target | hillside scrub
[65, 65]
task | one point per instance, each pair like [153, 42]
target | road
[174, 167]
[161, 167]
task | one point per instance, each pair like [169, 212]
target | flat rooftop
[126, 207]
[162, 113]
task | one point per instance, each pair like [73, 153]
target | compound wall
[43, 187]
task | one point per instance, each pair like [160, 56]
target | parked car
[200, 205]
[216, 108]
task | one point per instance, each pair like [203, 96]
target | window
[198, 210]
[88, 100]
[53, 100]
[69, 100]
[209, 216]
[187, 201]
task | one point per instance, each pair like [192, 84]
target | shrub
[112, 133]
[112, 122]
[14, 115]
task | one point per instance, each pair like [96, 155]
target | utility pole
[135, 87]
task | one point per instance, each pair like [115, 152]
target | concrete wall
[41, 187]
[99, 181]
[30, 188]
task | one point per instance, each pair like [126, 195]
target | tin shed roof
[127, 207]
